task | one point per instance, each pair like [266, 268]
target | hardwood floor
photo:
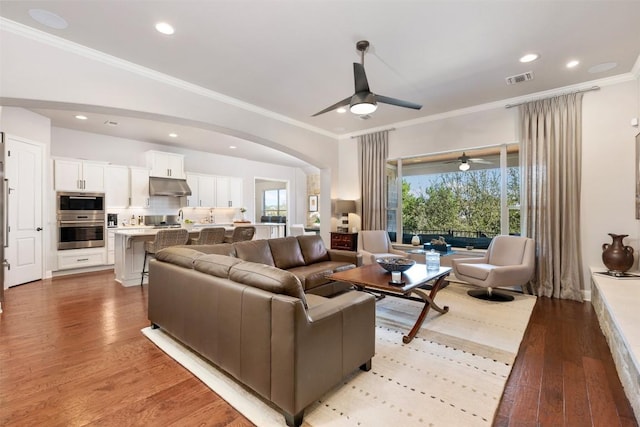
[71, 353]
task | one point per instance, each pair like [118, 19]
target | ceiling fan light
[363, 108]
[464, 166]
[363, 103]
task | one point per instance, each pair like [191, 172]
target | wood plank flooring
[71, 354]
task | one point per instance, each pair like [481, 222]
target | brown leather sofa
[305, 256]
[255, 322]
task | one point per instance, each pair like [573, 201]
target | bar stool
[164, 239]
[209, 236]
[240, 234]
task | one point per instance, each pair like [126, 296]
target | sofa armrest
[509, 275]
[474, 260]
[345, 256]
[338, 303]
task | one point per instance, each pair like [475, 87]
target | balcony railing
[456, 238]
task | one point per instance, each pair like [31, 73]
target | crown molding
[84, 51]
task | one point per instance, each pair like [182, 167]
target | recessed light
[164, 28]
[81, 117]
[233, 147]
[529, 57]
[601, 68]
[49, 19]
[573, 63]
[173, 135]
[341, 110]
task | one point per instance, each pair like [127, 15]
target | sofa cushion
[215, 265]
[286, 252]
[219, 248]
[254, 251]
[182, 256]
[313, 249]
[267, 278]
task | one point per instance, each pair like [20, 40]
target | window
[274, 202]
[434, 196]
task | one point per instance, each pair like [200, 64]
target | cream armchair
[509, 261]
[374, 244]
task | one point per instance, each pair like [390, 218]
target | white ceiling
[294, 58]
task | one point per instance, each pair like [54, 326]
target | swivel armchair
[509, 261]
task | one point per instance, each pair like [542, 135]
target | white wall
[608, 165]
[608, 170]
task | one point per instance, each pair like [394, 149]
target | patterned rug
[452, 374]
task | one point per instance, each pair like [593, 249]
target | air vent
[364, 117]
[520, 78]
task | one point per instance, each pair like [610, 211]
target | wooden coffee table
[416, 281]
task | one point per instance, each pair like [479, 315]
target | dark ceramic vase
[617, 257]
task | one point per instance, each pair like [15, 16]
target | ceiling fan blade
[338, 104]
[482, 161]
[360, 78]
[398, 102]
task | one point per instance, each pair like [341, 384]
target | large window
[433, 196]
[275, 202]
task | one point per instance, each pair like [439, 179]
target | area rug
[452, 374]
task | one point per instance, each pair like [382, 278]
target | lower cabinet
[111, 257]
[79, 258]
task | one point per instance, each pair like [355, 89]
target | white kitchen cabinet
[78, 175]
[111, 257]
[228, 192]
[116, 186]
[79, 258]
[203, 190]
[138, 187]
[222, 192]
[235, 192]
[165, 165]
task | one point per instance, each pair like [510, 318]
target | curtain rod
[362, 134]
[577, 91]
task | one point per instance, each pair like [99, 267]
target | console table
[345, 241]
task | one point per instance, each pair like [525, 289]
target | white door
[24, 172]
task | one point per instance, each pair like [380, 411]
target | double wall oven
[81, 220]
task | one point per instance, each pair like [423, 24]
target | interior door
[24, 173]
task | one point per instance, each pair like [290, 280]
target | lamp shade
[345, 206]
[464, 166]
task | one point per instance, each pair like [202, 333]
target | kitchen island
[129, 246]
[129, 251]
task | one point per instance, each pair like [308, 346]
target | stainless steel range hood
[168, 187]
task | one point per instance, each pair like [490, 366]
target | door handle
[39, 229]
[6, 263]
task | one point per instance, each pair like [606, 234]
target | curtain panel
[373, 150]
[551, 158]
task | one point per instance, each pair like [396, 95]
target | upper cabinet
[139, 187]
[78, 175]
[228, 192]
[214, 191]
[116, 186]
[165, 165]
[203, 190]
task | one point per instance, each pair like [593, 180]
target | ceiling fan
[464, 161]
[363, 101]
